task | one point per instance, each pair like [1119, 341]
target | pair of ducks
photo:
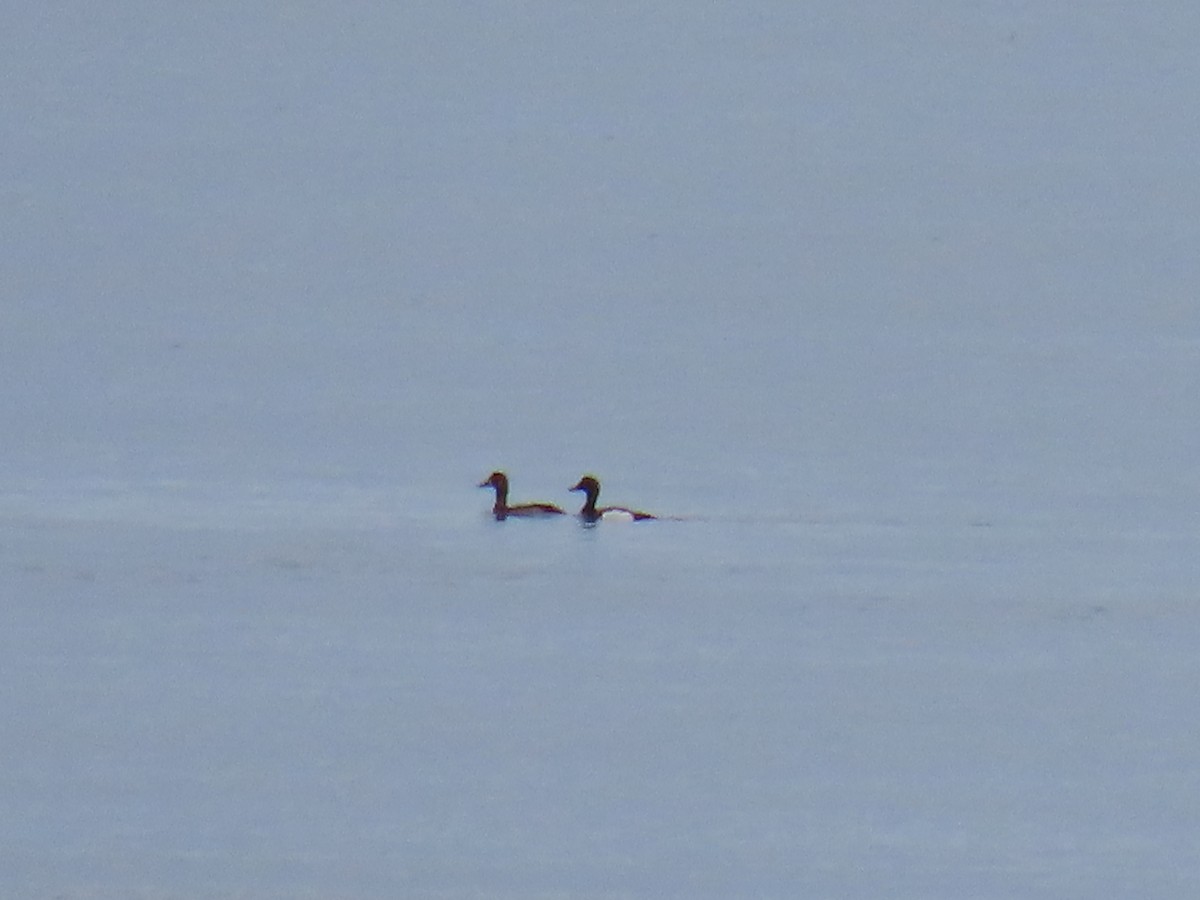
[590, 513]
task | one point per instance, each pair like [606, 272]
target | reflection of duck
[501, 510]
[591, 487]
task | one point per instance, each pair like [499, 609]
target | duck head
[589, 485]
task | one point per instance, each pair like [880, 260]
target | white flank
[617, 515]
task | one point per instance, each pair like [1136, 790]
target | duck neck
[501, 503]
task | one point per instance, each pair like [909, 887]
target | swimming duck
[501, 510]
[591, 487]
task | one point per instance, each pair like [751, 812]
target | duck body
[592, 513]
[501, 510]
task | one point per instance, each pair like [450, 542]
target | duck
[501, 510]
[590, 485]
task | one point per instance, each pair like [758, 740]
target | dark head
[588, 485]
[497, 480]
[591, 487]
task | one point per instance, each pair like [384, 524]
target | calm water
[893, 314]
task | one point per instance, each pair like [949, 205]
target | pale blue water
[892, 309]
